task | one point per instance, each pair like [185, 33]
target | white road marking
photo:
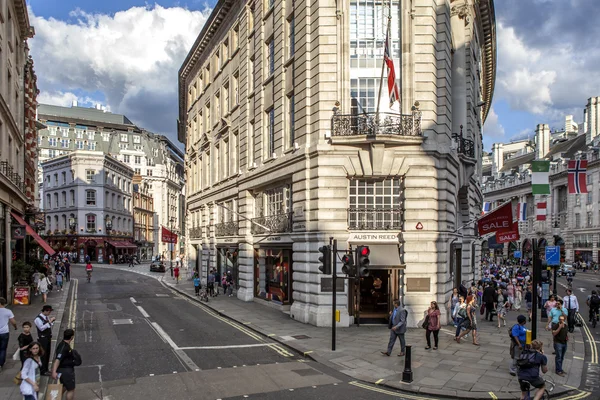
[124, 321]
[179, 352]
[234, 346]
[132, 300]
[143, 312]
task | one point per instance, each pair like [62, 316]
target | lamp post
[73, 223]
[172, 221]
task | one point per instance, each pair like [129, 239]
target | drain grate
[301, 337]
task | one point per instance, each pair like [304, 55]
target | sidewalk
[8, 390]
[454, 370]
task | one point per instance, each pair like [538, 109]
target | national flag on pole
[391, 72]
[540, 174]
[540, 212]
[577, 176]
[487, 206]
[522, 211]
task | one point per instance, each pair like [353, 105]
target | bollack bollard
[407, 375]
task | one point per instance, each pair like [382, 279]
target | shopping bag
[54, 391]
[16, 356]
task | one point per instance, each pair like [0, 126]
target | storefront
[118, 251]
[3, 267]
[273, 274]
[145, 250]
[227, 261]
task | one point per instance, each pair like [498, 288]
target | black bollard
[407, 375]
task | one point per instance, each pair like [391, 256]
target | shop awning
[122, 245]
[385, 255]
[33, 233]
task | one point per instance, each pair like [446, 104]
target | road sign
[553, 255]
[517, 254]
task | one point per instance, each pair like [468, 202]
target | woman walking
[433, 312]
[30, 373]
[510, 293]
[549, 305]
[461, 314]
[43, 287]
[452, 304]
[470, 323]
[518, 298]
[529, 300]
[501, 307]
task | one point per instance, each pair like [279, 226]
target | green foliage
[21, 272]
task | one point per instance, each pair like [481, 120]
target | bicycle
[594, 317]
[549, 387]
[89, 276]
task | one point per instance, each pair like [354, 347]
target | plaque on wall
[327, 285]
[418, 284]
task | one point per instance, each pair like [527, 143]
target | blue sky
[125, 54]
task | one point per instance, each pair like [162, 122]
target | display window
[275, 266]
[227, 261]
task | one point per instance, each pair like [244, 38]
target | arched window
[49, 223]
[64, 222]
[56, 222]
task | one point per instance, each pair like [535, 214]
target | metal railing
[372, 124]
[9, 173]
[374, 218]
[465, 146]
[230, 228]
[279, 223]
[196, 233]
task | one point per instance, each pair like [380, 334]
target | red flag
[577, 176]
[168, 236]
[509, 236]
[391, 72]
[498, 220]
[540, 212]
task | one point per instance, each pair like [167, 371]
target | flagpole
[387, 32]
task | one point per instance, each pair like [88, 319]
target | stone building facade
[285, 149]
[145, 224]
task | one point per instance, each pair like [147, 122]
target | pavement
[453, 371]
[8, 390]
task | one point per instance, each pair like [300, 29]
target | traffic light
[362, 258]
[325, 260]
[348, 264]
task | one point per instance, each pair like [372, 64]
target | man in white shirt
[44, 323]
[6, 316]
[572, 305]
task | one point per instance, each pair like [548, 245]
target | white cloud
[57, 98]
[131, 59]
[492, 127]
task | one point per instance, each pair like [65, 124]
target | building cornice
[25, 28]
[488, 24]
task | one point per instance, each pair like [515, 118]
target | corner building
[284, 149]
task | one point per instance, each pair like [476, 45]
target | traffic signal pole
[537, 277]
[333, 258]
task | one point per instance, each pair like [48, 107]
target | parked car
[566, 269]
[157, 266]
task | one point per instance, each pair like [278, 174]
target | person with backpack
[518, 336]
[593, 303]
[530, 362]
[66, 360]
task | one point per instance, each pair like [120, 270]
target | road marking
[123, 321]
[73, 308]
[591, 341]
[132, 300]
[143, 312]
[388, 392]
[238, 346]
[578, 358]
[578, 396]
[307, 352]
[379, 381]
[493, 396]
[180, 353]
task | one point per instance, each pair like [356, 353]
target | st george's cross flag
[522, 211]
[540, 177]
[577, 176]
[391, 72]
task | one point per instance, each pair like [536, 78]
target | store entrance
[372, 299]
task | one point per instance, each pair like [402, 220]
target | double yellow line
[578, 396]
[73, 308]
[591, 341]
[279, 349]
[388, 392]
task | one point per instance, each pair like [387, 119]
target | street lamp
[108, 225]
[73, 223]
[172, 220]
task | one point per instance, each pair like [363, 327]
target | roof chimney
[542, 141]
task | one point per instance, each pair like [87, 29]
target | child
[197, 284]
[176, 272]
[59, 280]
[24, 339]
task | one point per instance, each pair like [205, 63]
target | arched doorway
[559, 241]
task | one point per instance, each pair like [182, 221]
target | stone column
[8, 253]
[246, 248]
[458, 22]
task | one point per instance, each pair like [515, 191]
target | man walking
[570, 301]
[397, 327]
[489, 298]
[518, 337]
[211, 283]
[6, 316]
[43, 323]
[66, 361]
[130, 259]
[67, 271]
[559, 333]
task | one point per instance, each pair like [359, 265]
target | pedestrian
[452, 302]
[470, 323]
[560, 336]
[510, 293]
[36, 280]
[176, 273]
[224, 283]
[130, 259]
[518, 336]
[43, 287]
[570, 302]
[461, 315]
[462, 289]
[30, 371]
[59, 281]
[197, 284]
[6, 317]
[24, 340]
[229, 280]
[549, 305]
[171, 269]
[502, 306]
[211, 283]
[529, 300]
[434, 325]
[217, 282]
[66, 361]
[397, 326]
[518, 298]
[593, 303]
[489, 298]
[87, 259]
[43, 323]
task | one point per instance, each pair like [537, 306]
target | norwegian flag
[577, 176]
[391, 72]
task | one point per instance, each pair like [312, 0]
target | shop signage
[327, 285]
[21, 295]
[374, 237]
[299, 227]
[228, 240]
[18, 232]
[500, 220]
[418, 284]
[168, 236]
[273, 239]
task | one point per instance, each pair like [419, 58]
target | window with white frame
[270, 64]
[137, 171]
[72, 192]
[137, 160]
[126, 158]
[52, 142]
[375, 204]
[53, 131]
[291, 36]
[79, 144]
[124, 137]
[64, 143]
[137, 139]
[105, 137]
[149, 172]
[91, 222]
[64, 177]
[90, 197]
[65, 132]
[90, 176]
[577, 221]
[64, 199]
[590, 219]
[79, 134]
[275, 201]
[234, 88]
[91, 135]
[92, 146]
[56, 204]
[48, 201]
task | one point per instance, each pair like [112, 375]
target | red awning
[122, 245]
[33, 233]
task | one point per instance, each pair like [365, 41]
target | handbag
[425, 323]
[482, 309]
[18, 379]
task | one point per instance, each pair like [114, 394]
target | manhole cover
[307, 372]
[125, 321]
[301, 337]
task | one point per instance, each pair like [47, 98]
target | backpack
[527, 360]
[462, 312]
[510, 335]
[595, 301]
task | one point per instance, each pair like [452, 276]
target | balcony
[583, 245]
[374, 218]
[196, 233]
[465, 147]
[371, 124]
[279, 223]
[227, 228]
[7, 170]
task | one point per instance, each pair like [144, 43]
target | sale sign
[499, 220]
[21, 295]
[510, 236]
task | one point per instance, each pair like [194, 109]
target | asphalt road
[140, 340]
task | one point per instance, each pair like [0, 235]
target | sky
[125, 55]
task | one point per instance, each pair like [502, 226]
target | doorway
[457, 266]
[91, 251]
[372, 299]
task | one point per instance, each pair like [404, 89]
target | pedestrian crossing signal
[325, 260]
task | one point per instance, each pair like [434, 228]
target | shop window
[274, 268]
[227, 261]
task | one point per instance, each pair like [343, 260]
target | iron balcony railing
[373, 124]
[465, 146]
[374, 218]
[9, 173]
[583, 245]
[279, 223]
[196, 233]
[227, 228]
